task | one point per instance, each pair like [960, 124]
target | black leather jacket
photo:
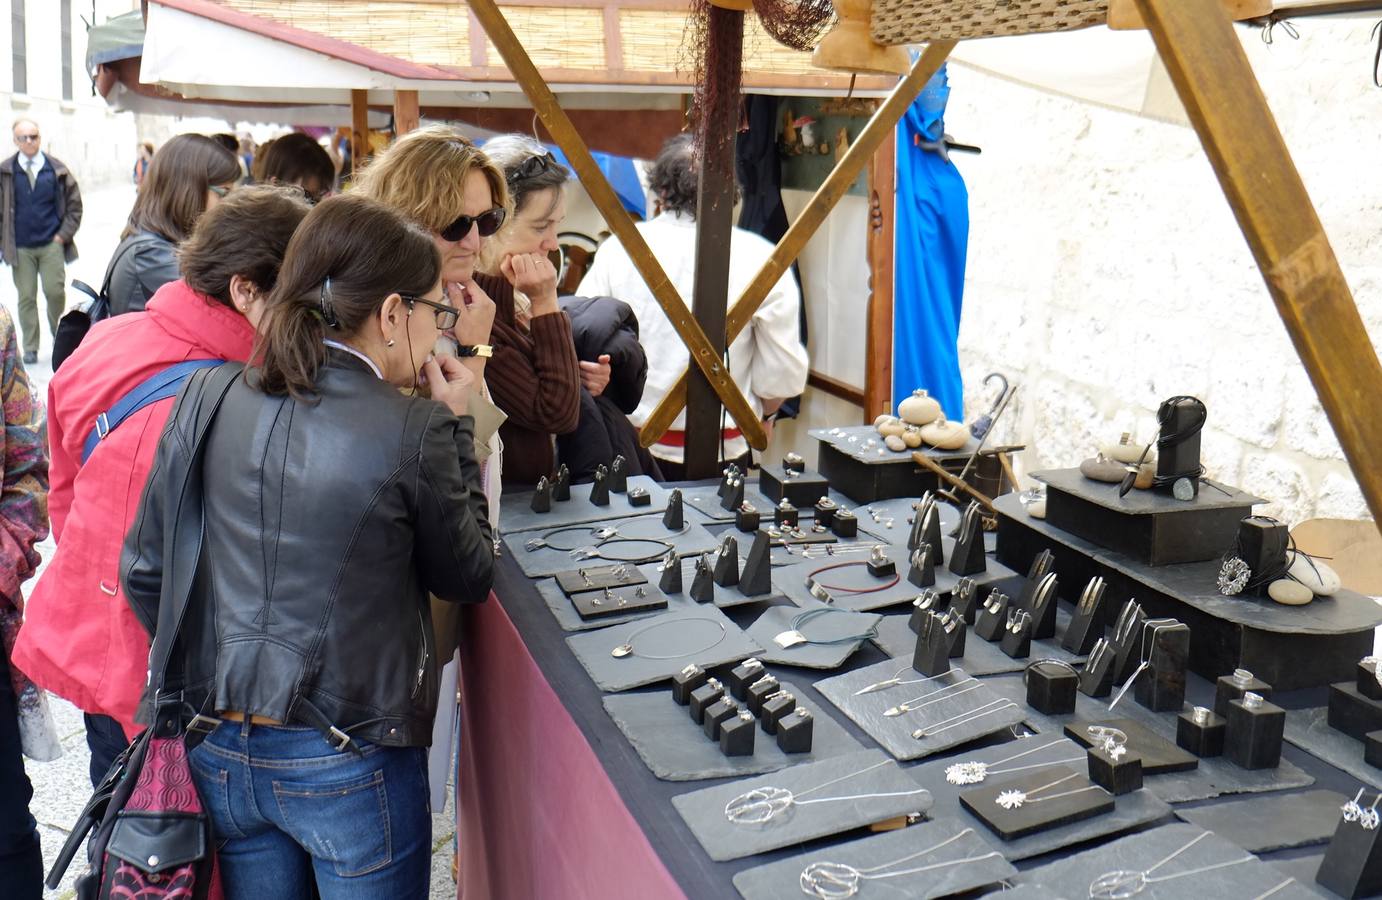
[308, 543]
[142, 264]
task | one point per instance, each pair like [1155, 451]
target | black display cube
[1202, 735]
[1352, 866]
[865, 476]
[1152, 528]
[1351, 712]
[1368, 685]
[1051, 688]
[1117, 776]
[801, 490]
[1233, 687]
[1253, 739]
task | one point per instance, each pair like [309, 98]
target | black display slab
[897, 640]
[792, 580]
[800, 488]
[1309, 730]
[705, 499]
[569, 620]
[600, 606]
[724, 598]
[1351, 712]
[1159, 756]
[515, 514]
[834, 624]
[549, 561]
[1213, 777]
[894, 733]
[1148, 526]
[877, 473]
[1273, 822]
[859, 773]
[1072, 876]
[593, 577]
[1037, 815]
[671, 632]
[676, 749]
[1133, 810]
[781, 880]
[1289, 647]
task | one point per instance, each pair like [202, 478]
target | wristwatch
[484, 350]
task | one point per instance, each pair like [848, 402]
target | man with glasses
[42, 209]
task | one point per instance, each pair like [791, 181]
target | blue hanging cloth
[929, 249]
[622, 177]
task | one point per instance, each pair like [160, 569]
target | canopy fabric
[121, 37]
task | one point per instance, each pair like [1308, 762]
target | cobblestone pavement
[62, 787]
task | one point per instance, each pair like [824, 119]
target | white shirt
[766, 360]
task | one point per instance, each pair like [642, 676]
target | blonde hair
[423, 175]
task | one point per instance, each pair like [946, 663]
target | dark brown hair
[173, 195]
[295, 159]
[367, 251]
[246, 234]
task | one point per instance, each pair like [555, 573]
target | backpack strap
[159, 386]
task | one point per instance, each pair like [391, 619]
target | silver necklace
[1015, 799]
[964, 718]
[896, 680]
[913, 705]
[598, 532]
[762, 804]
[1276, 890]
[838, 881]
[627, 648]
[974, 772]
[1154, 625]
[1121, 884]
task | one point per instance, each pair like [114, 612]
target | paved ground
[62, 787]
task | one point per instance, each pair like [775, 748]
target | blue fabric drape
[622, 177]
[930, 245]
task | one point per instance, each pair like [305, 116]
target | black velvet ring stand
[1233, 687]
[1051, 688]
[747, 518]
[1117, 776]
[1087, 623]
[845, 524]
[1253, 739]
[794, 731]
[686, 681]
[1204, 739]
[992, 617]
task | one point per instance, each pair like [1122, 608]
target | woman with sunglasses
[535, 374]
[333, 500]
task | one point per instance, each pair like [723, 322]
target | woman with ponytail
[334, 498]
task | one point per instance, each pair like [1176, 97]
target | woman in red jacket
[79, 638]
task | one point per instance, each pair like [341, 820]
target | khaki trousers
[31, 264]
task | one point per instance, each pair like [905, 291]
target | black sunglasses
[531, 167]
[447, 316]
[487, 222]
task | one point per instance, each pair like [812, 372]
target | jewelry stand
[928, 602]
[1162, 687]
[619, 475]
[542, 496]
[801, 488]
[1040, 568]
[674, 517]
[727, 562]
[825, 511]
[923, 571]
[703, 583]
[670, 579]
[1043, 609]
[1051, 688]
[1262, 544]
[747, 518]
[743, 675]
[930, 533]
[932, 654]
[1017, 635]
[599, 488]
[1127, 634]
[737, 735]
[703, 697]
[1352, 865]
[1159, 756]
[1121, 774]
[597, 578]
[845, 524]
[785, 515]
[561, 485]
[595, 605]
[1096, 678]
[757, 577]
[1087, 624]
[1353, 713]
[1178, 445]
[1201, 731]
[686, 681]
[1255, 732]
[734, 494]
[957, 628]
[993, 617]
[967, 556]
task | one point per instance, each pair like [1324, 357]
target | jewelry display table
[554, 802]
[1289, 647]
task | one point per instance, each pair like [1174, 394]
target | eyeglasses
[487, 222]
[447, 316]
[26, 138]
[531, 167]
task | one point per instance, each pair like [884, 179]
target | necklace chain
[628, 649]
[836, 881]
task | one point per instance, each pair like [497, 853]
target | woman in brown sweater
[534, 375]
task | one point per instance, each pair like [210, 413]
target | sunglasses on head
[488, 223]
[531, 167]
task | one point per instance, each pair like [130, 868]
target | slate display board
[1159, 755]
[725, 597]
[831, 625]
[1130, 810]
[549, 560]
[995, 575]
[897, 639]
[668, 633]
[1075, 799]
[901, 510]
[1071, 877]
[516, 513]
[1213, 777]
[781, 880]
[705, 499]
[840, 439]
[1309, 730]
[895, 733]
[1141, 503]
[866, 772]
[676, 748]
[1273, 822]
[570, 620]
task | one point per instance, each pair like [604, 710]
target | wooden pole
[714, 224]
[835, 186]
[405, 112]
[1228, 110]
[359, 130]
[878, 340]
[545, 104]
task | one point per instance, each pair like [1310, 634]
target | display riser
[900, 477]
[1218, 645]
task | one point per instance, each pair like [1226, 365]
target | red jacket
[80, 640]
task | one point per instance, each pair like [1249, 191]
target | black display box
[1150, 527]
[1351, 712]
[803, 490]
[867, 476]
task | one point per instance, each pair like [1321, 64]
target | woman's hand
[595, 375]
[476, 314]
[450, 382]
[535, 276]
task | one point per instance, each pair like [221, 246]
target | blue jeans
[288, 809]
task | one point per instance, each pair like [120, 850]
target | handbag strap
[159, 386]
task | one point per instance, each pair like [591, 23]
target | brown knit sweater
[535, 379]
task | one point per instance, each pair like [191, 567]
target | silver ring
[1242, 677]
[1200, 716]
[1103, 734]
[1252, 700]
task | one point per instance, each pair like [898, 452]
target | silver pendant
[1183, 489]
[622, 651]
[789, 639]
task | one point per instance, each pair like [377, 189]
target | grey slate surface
[1272, 822]
[668, 633]
[550, 561]
[896, 638]
[1309, 730]
[725, 597]
[835, 624]
[516, 514]
[570, 620]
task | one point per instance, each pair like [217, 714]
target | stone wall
[1106, 272]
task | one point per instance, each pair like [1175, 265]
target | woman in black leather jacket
[188, 175]
[330, 504]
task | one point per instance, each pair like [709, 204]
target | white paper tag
[789, 639]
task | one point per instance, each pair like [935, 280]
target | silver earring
[1370, 818]
[390, 343]
[1351, 810]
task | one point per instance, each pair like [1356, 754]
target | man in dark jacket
[42, 209]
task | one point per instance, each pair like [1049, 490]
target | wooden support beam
[835, 186]
[878, 337]
[405, 112]
[1225, 104]
[359, 130]
[927, 462]
[545, 104]
[835, 388]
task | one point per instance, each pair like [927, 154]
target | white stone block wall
[1107, 273]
